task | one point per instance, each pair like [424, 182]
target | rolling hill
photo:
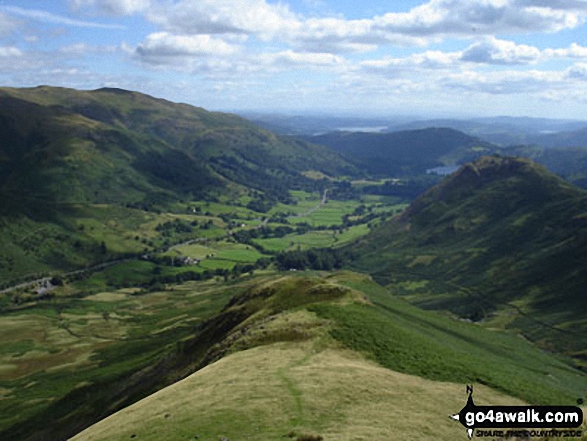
[506, 130]
[430, 144]
[181, 335]
[501, 240]
[406, 152]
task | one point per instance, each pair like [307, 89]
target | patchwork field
[48, 350]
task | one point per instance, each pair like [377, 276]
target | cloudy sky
[368, 57]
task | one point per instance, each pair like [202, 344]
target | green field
[215, 250]
[330, 214]
[91, 233]
[314, 239]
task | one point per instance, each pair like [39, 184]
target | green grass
[71, 343]
[407, 339]
[330, 214]
[285, 371]
[284, 391]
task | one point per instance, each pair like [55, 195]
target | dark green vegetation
[405, 153]
[506, 130]
[111, 145]
[569, 163]
[411, 153]
[501, 240]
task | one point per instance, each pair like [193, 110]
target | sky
[436, 58]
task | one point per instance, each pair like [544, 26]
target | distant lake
[443, 170]
[372, 129]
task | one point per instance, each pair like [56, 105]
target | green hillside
[68, 156]
[503, 241]
[338, 357]
[111, 145]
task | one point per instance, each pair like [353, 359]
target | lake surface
[443, 170]
[369, 129]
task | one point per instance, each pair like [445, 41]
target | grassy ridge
[281, 370]
[286, 391]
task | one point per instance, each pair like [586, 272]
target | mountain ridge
[499, 235]
[151, 143]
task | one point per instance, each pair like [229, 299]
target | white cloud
[84, 49]
[7, 24]
[575, 5]
[577, 72]
[162, 47]
[47, 17]
[411, 65]
[250, 17]
[6, 52]
[431, 21]
[303, 59]
[483, 17]
[112, 7]
[494, 51]
[573, 51]
[14, 60]
[490, 51]
[505, 82]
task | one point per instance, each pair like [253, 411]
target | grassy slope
[500, 236]
[110, 141]
[287, 369]
[269, 392]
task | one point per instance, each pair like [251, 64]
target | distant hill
[574, 138]
[501, 240]
[506, 130]
[406, 152]
[568, 162]
[312, 125]
[111, 145]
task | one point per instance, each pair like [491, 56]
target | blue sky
[460, 58]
